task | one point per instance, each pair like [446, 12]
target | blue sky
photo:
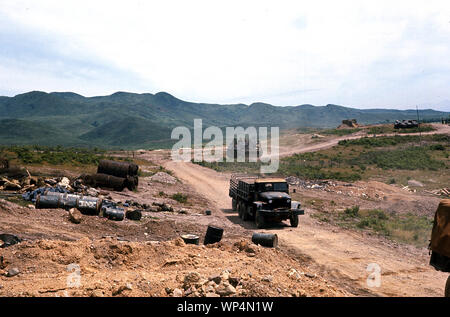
[365, 54]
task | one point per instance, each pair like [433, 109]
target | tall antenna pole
[418, 124]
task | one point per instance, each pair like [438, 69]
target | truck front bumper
[285, 213]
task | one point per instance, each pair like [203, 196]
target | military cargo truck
[265, 200]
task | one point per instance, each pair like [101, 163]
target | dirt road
[341, 256]
[302, 148]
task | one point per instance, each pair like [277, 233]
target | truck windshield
[274, 187]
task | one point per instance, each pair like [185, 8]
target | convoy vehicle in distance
[406, 124]
[266, 200]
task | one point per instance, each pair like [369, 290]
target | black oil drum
[190, 238]
[113, 213]
[68, 201]
[213, 235]
[265, 239]
[134, 215]
[43, 201]
[89, 205]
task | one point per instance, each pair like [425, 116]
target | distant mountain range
[128, 120]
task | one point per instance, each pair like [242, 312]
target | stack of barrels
[116, 175]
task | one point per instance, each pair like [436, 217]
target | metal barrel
[190, 238]
[44, 201]
[213, 235]
[134, 215]
[108, 181]
[89, 205]
[132, 182]
[119, 169]
[113, 213]
[265, 239]
[68, 201]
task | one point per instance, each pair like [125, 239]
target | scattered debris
[8, 240]
[440, 192]
[12, 272]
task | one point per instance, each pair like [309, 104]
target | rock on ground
[75, 215]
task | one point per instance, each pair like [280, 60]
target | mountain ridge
[126, 120]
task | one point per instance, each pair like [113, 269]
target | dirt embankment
[108, 267]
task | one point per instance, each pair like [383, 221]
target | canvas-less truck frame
[264, 200]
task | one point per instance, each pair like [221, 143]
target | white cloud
[358, 53]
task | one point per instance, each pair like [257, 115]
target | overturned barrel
[44, 201]
[213, 235]
[89, 205]
[132, 182]
[109, 181]
[116, 214]
[68, 201]
[118, 169]
[265, 239]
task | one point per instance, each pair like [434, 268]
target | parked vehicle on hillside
[406, 124]
[266, 200]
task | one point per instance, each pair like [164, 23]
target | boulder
[75, 215]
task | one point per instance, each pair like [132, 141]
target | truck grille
[279, 203]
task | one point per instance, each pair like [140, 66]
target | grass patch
[54, 155]
[405, 228]
[359, 159]
[410, 158]
[181, 198]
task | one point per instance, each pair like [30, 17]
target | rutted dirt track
[286, 151]
[341, 256]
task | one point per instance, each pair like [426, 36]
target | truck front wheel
[294, 221]
[447, 288]
[239, 209]
[246, 213]
[233, 204]
[259, 220]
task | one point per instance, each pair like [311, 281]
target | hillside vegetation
[382, 158]
[127, 120]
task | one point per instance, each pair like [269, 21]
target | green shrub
[352, 212]
[181, 198]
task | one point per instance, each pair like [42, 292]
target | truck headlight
[270, 201]
[288, 201]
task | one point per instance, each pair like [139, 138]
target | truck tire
[294, 221]
[250, 214]
[239, 209]
[245, 213]
[447, 288]
[259, 220]
[233, 204]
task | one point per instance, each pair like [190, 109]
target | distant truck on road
[406, 124]
[265, 200]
